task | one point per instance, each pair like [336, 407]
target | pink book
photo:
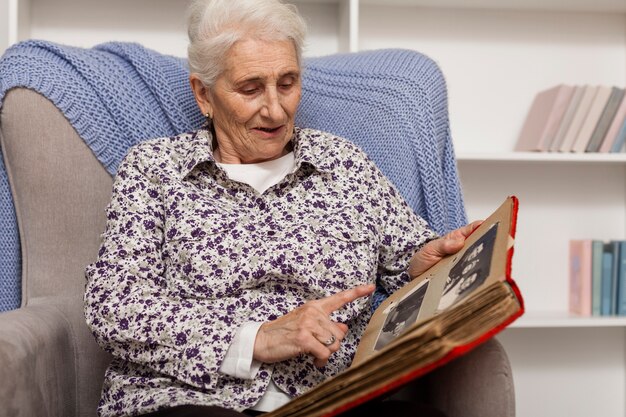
[580, 277]
[555, 146]
[617, 122]
[544, 118]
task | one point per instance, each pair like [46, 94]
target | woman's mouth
[268, 131]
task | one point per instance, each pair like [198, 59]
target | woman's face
[253, 103]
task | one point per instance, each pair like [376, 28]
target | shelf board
[552, 5]
[543, 157]
[537, 320]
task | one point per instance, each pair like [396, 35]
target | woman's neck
[223, 156]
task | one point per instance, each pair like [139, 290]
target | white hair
[215, 25]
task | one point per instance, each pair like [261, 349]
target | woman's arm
[408, 246]
[401, 233]
[133, 312]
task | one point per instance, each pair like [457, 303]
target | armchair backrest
[60, 191]
[391, 103]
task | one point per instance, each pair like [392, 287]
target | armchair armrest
[37, 362]
[479, 384]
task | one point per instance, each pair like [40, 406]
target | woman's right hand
[307, 330]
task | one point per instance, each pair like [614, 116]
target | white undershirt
[262, 175]
[239, 361]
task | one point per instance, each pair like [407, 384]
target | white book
[591, 120]
[589, 94]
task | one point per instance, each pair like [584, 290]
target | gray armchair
[49, 363]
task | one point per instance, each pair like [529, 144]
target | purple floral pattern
[188, 256]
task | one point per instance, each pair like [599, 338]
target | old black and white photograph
[402, 315]
[471, 270]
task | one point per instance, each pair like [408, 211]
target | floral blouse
[189, 255]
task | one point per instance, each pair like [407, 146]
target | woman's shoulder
[341, 155]
[162, 151]
[324, 142]
[166, 144]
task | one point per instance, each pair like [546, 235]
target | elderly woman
[238, 260]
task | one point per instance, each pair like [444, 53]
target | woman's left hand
[436, 249]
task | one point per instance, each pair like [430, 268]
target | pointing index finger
[340, 299]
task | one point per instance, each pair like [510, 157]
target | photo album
[459, 303]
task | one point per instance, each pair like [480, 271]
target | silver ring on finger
[330, 341]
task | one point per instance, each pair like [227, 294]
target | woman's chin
[272, 146]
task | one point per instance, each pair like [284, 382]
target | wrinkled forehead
[260, 59]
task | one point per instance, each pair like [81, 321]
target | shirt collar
[200, 150]
[306, 151]
[309, 151]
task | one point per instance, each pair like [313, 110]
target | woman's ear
[201, 94]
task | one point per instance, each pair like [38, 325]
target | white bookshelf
[496, 55]
[563, 320]
[543, 157]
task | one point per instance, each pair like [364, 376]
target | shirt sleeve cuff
[239, 361]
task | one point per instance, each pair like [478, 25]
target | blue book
[607, 280]
[596, 277]
[621, 280]
[619, 139]
[615, 261]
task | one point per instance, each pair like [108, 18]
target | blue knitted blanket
[392, 103]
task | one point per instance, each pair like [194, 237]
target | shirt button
[271, 233]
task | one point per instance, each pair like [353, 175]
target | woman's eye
[287, 83]
[249, 88]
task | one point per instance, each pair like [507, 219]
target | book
[596, 277]
[580, 277]
[618, 145]
[588, 94]
[604, 122]
[591, 119]
[621, 279]
[459, 303]
[601, 264]
[567, 118]
[544, 118]
[616, 124]
[614, 248]
[607, 304]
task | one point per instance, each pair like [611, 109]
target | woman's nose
[272, 108]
